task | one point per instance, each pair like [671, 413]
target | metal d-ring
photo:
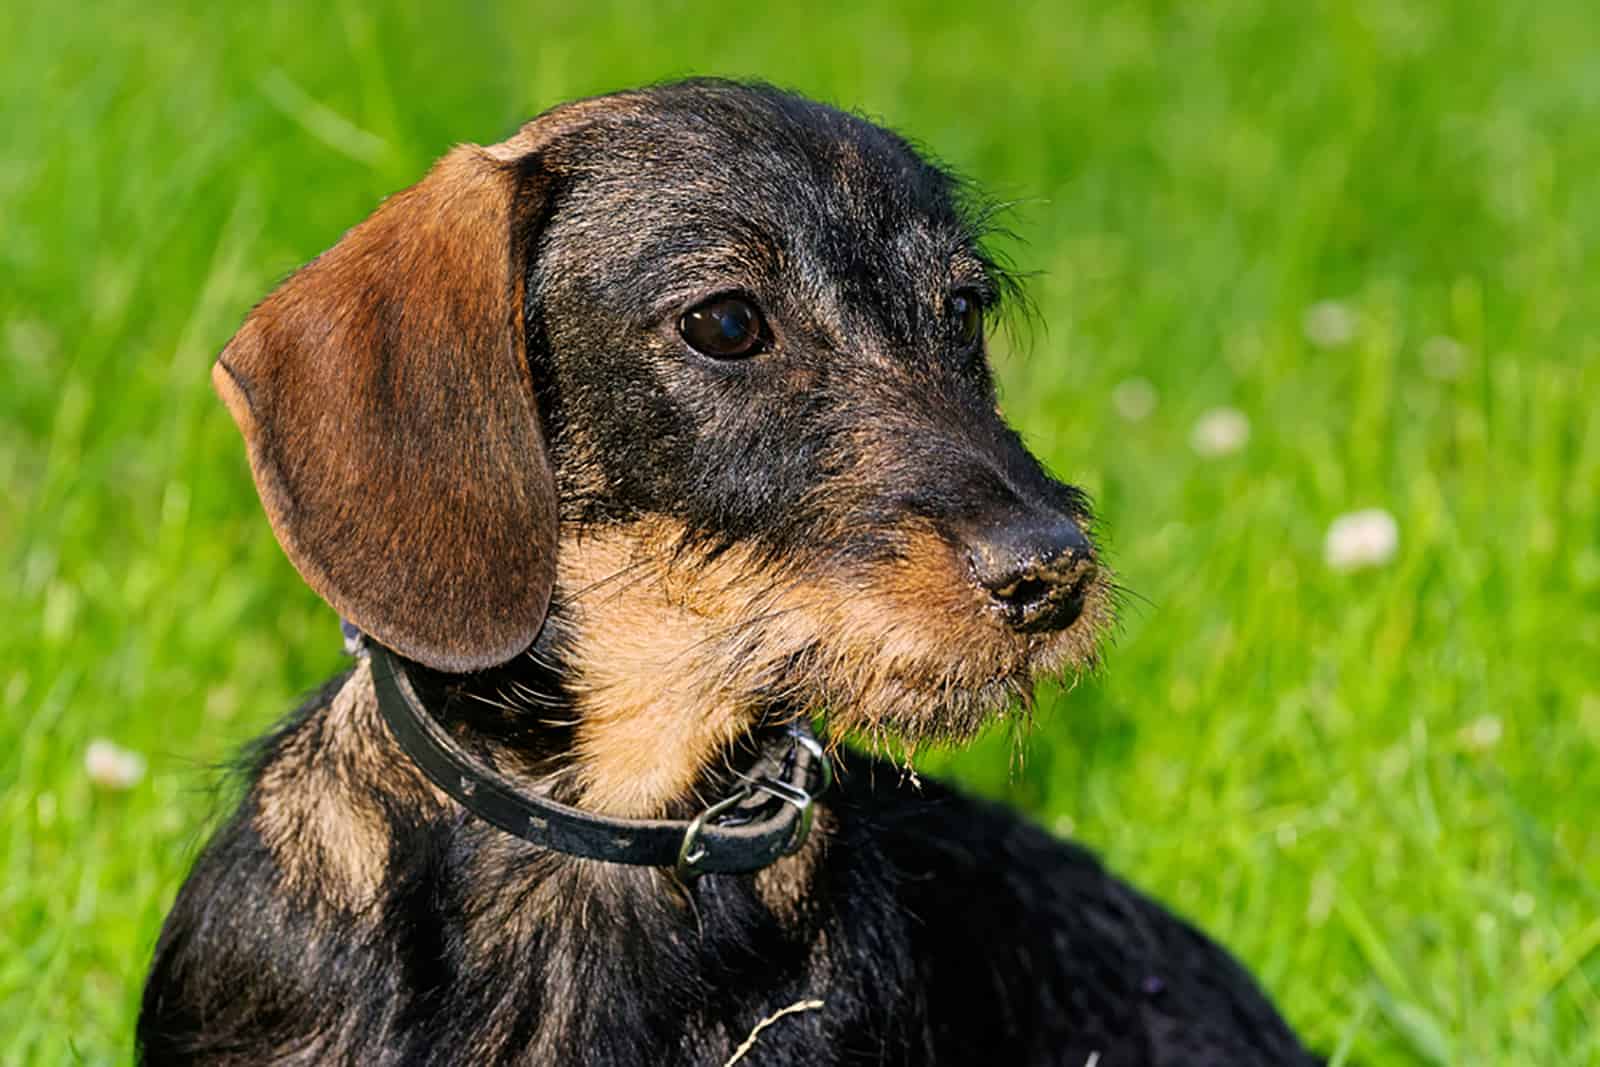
[691, 852]
[804, 739]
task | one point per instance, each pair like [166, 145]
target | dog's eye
[724, 327]
[966, 312]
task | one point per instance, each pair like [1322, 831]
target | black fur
[939, 930]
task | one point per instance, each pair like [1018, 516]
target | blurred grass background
[1379, 788]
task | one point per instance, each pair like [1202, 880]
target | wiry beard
[675, 652]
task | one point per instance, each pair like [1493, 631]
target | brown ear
[386, 401]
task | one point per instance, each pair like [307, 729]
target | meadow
[1363, 231]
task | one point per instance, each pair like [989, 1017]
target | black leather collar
[768, 817]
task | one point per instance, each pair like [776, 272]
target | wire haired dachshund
[630, 449]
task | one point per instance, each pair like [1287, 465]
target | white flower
[1482, 733]
[1329, 324]
[1361, 539]
[111, 766]
[1220, 432]
[1134, 399]
[1444, 359]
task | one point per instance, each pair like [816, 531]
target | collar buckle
[805, 758]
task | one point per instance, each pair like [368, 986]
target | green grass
[1379, 788]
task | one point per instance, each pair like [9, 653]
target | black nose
[1037, 570]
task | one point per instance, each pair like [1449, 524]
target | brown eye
[966, 312]
[724, 327]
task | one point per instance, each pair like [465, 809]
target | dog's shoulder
[244, 950]
[1024, 939]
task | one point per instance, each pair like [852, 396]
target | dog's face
[773, 387]
[746, 334]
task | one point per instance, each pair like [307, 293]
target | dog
[627, 448]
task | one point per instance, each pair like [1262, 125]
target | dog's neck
[765, 817]
[336, 792]
[643, 753]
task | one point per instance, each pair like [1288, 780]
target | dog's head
[706, 361]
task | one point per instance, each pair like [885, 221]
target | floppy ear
[386, 401]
